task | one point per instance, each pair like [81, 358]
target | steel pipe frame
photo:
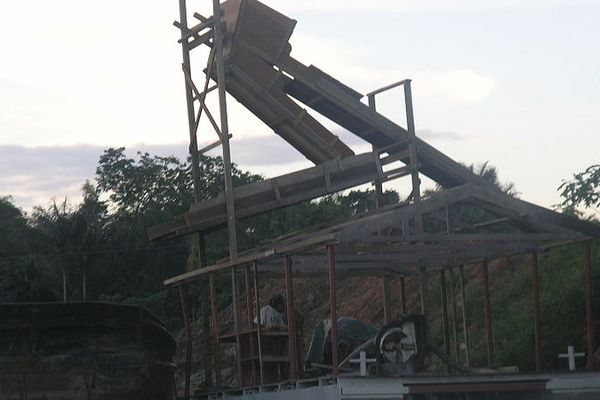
[587, 266]
[488, 314]
[215, 328]
[463, 298]
[188, 339]
[403, 295]
[333, 310]
[258, 321]
[444, 298]
[291, 318]
[249, 317]
[536, 311]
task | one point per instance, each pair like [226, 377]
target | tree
[57, 224]
[582, 190]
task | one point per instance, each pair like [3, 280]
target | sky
[512, 82]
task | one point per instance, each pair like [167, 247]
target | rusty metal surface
[88, 350]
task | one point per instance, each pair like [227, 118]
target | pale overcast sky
[510, 81]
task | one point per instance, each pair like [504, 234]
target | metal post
[333, 309]
[423, 289]
[379, 203]
[249, 314]
[412, 150]
[214, 307]
[488, 314]
[465, 324]
[291, 318]
[236, 325]
[536, 311]
[386, 300]
[453, 304]
[206, 317]
[258, 322]
[229, 194]
[444, 297]
[587, 266]
[403, 296]
[188, 340]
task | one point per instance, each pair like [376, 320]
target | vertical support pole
[423, 290]
[412, 150]
[83, 280]
[465, 323]
[229, 194]
[188, 339]
[258, 322]
[386, 300]
[291, 318]
[214, 308]
[379, 201]
[249, 314]
[189, 97]
[206, 317]
[333, 309]
[453, 305]
[587, 266]
[488, 314]
[536, 311]
[444, 297]
[236, 325]
[403, 296]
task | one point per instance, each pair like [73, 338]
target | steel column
[249, 317]
[536, 311]
[333, 309]
[188, 340]
[258, 322]
[453, 304]
[423, 289]
[236, 324]
[488, 314]
[291, 318]
[214, 306]
[465, 324]
[403, 296]
[587, 266]
[444, 297]
[387, 314]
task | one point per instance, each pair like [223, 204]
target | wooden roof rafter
[362, 249]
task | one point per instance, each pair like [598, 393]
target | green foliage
[582, 190]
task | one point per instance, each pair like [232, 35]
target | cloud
[412, 6]
[35, 175]
[345, 61]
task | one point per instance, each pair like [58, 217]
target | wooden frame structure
[250, 59]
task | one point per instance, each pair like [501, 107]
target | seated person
[272, 315]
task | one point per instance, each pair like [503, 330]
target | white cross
[571, 356]
[363, 360]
